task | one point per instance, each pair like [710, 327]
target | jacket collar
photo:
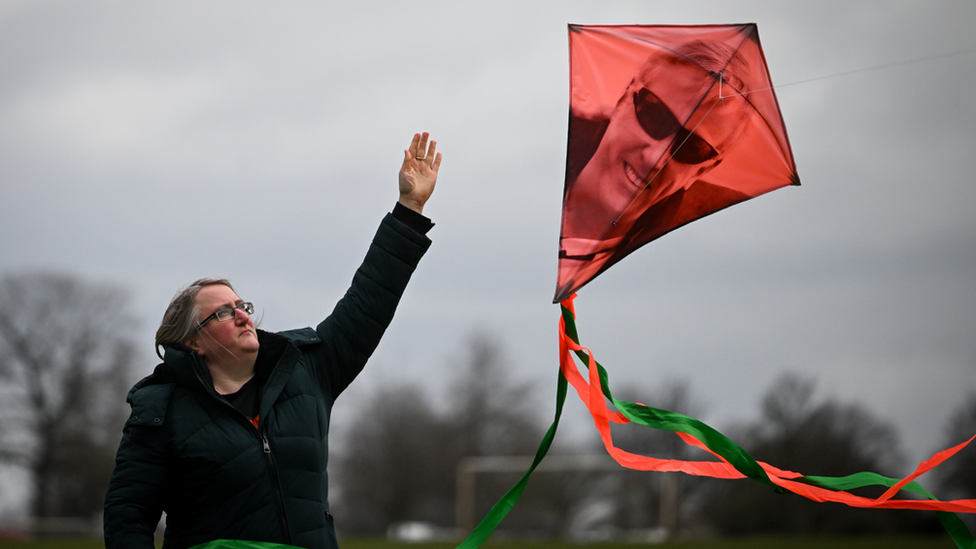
[186, 367]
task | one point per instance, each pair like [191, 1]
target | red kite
[667, 125]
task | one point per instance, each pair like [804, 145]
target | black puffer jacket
[186, 451]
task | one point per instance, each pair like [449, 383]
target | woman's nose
[242, 317]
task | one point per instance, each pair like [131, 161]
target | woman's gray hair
[180, 319]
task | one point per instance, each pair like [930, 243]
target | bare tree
[826, 438]
[957, 476]
[399, 459]
[392, 466]
[65, 352]
[492, 412]
[657, 500]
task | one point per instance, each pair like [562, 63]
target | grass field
[745, 543]
[942, 542]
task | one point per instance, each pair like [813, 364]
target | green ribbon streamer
[241, 544]
[500, 510]
[742, 461]
[672, 421]
[953, 525]
[714, 440]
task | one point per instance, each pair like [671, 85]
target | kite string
[721, 96]
[855, 71]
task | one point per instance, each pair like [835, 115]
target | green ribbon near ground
[241, 544]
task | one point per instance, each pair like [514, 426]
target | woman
[229, 435]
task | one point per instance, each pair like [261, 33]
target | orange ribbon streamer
[591, 393]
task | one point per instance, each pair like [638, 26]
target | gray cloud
[152, 143]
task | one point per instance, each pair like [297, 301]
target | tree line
[67, 359]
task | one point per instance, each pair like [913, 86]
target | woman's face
[228, 340]
[647, 154]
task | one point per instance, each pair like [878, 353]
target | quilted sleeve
[353, 330]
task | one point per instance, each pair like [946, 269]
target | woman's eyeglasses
[228, 313]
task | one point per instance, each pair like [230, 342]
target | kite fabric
[667, 124]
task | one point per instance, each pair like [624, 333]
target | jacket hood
[184, 366]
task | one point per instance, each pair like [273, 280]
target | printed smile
[637, 180]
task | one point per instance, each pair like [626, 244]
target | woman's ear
[194, 342]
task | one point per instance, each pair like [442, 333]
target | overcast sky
[151, 143]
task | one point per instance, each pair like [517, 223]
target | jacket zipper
[279, 496]
[275, 483]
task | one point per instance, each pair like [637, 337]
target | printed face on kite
[667, 131]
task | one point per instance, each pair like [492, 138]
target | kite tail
[734, 462]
